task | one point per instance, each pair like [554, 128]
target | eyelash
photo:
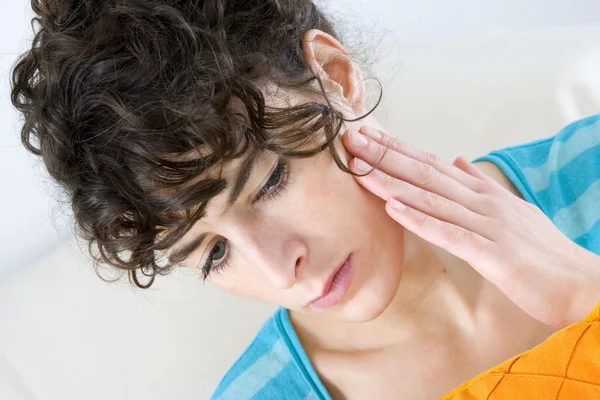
[264, 194]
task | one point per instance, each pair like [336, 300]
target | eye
[218, 258]
[276, 182]
[219, 251]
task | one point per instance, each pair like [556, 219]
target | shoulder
[560, 174]
[537, 169]
[265, 369]
[494, 172]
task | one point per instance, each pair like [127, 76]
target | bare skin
[441, 354]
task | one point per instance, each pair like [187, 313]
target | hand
[509, 241]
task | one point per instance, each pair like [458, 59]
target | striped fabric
[273, 367]
[559, 174]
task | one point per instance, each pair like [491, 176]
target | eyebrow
[242, 176]
[185, 250]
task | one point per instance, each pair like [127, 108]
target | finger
[461, 242]
[469, 168]
[441, 165]
[386, 187]
[399, 166]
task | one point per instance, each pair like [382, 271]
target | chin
[368, 303]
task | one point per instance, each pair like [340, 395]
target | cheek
[228, 282]
[246, 285]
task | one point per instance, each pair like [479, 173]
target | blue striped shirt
[559, 174]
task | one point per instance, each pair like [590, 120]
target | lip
[341, 286]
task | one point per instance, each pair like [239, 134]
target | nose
[273, 247]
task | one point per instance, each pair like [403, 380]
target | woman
[197, 130]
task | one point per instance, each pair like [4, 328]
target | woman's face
[291, 228]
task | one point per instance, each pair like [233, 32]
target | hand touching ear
[508, 240]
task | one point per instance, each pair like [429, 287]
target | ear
[330, 61]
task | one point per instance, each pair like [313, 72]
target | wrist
[586, 294]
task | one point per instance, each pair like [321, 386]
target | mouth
[336, 285]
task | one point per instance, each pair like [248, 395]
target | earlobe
[330, 61]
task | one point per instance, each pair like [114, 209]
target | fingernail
[360, 165]
[357, 139]
[372, 132]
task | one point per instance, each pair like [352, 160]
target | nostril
[297, 267]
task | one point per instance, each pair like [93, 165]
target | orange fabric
[564, 366]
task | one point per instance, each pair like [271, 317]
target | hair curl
[116, 91]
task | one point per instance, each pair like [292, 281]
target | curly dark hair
[130, 101]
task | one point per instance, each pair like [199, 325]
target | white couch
[65, 334]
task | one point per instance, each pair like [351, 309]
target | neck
[437, 297]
